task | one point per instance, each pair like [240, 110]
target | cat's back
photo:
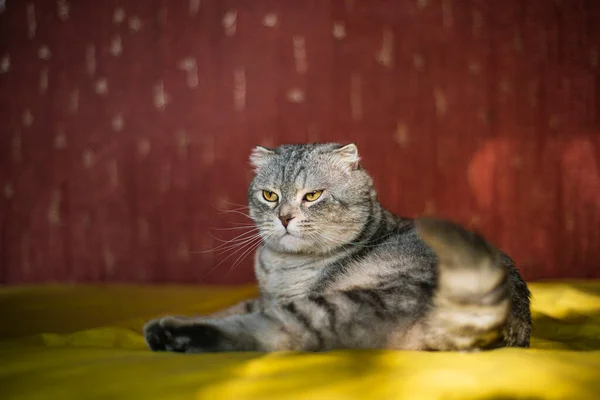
[396, 257]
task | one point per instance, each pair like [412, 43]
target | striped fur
[346, 273]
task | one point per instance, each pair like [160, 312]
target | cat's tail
[472, 301]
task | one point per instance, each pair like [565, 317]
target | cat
[336, 270]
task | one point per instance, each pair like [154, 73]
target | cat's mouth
[287, 231]
[290, 239]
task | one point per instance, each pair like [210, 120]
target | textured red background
[126, 125]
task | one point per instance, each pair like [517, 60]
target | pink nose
[285, 220]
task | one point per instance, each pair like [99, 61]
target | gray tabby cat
[336, 270]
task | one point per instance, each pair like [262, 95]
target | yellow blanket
[85, 342]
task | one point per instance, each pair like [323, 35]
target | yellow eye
[270, 196]
[312, 196]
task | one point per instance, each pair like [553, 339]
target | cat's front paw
[173, 334]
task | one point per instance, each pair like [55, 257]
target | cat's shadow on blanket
[569, 332]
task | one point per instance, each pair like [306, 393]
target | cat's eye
[270, 196]
[312, 196]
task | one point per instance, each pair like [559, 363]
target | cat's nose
[285, 220]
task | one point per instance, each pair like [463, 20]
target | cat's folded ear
[260, 157]
[348, 156]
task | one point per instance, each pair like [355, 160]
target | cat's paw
[173, 334]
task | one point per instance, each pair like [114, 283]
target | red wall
[126, 125]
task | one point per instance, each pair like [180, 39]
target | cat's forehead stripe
[292, 171]
[300, 179]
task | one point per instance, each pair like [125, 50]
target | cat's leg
[243, 307]
[472, 301]
[358, 318]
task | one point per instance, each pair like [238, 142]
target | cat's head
[310, 198]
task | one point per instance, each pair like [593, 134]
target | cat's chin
[292, 244]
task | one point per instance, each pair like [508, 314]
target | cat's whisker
[241, 223]
[238, 244]
[242, 245]
[228, 210]
[244, 255]
[236, 228]
[236, 204]
[251, 248]
[245, 246]
[240, 236]
[236, 212]
[229, 243]
[319, 236]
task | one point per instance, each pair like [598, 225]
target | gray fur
[346, 273]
